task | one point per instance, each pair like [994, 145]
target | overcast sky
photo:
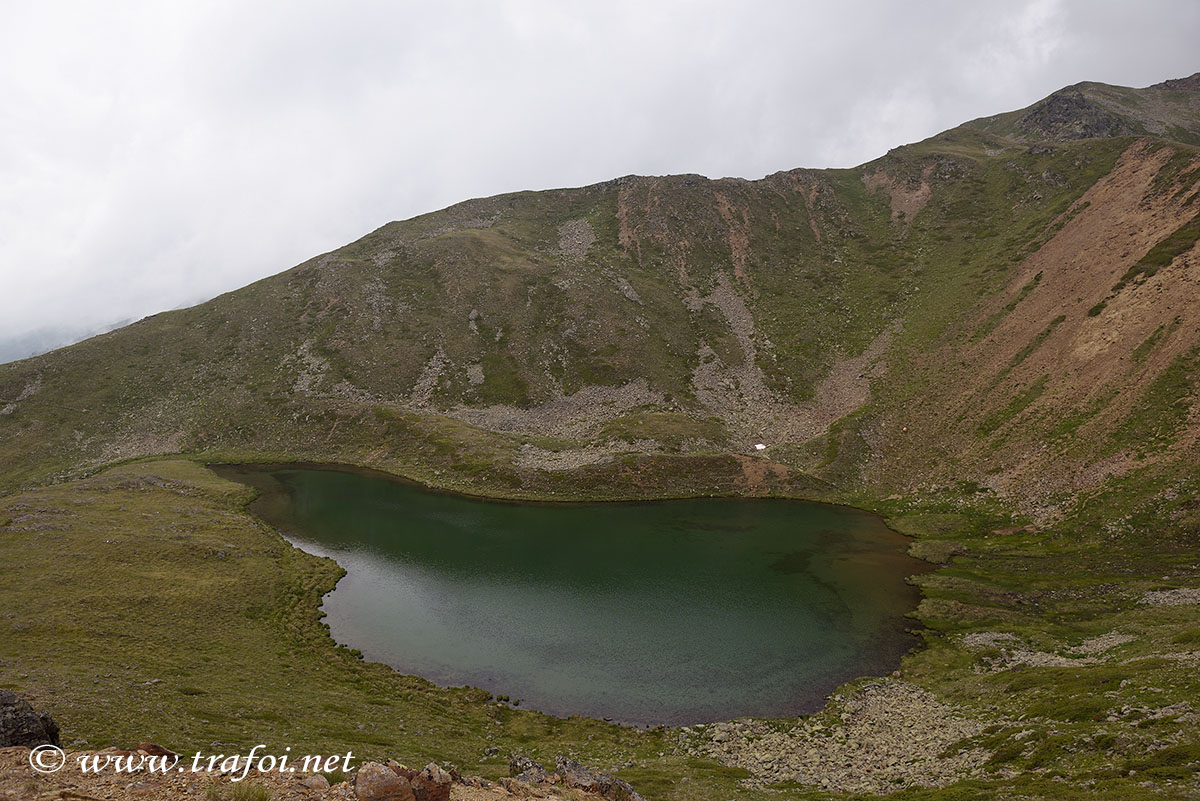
[156, 154]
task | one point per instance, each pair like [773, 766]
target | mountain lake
[660, 612]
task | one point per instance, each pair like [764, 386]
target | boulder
[431, 783]
[315, 781]
[375, 782]
[21, 725]
[593, 781]
[623, 791]
[524, 769]
[520, 789]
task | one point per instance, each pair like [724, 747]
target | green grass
[1019, 403]
[1164, 406]
[1143, 350]
[1035, 343]
[1188, 637]
[670, 430]
[994, 319]
[249, 792]
[1182, 240]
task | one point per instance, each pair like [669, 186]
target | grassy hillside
[504, 344]
[991, 336]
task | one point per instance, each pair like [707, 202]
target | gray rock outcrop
[20, 724]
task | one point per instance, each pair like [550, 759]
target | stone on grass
[20, 724]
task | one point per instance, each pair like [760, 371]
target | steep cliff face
[972, 308]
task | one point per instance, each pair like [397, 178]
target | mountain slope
[967, 309]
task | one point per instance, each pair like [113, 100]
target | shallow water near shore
[671, 612]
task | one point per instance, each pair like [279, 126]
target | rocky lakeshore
[883, 736]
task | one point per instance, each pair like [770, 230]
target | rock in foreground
[20, 724]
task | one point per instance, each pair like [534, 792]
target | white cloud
[155, 154]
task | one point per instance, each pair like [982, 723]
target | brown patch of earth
[907, 197]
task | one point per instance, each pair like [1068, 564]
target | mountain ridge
[534, 334]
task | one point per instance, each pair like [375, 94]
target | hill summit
[1088, 110]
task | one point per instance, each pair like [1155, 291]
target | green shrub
[1173, 762]
[1187, 637]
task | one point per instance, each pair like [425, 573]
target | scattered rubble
[1089, 652]
[1183, 596]
[530, 779]
[987, 639]
[886, 736]
[575, 239]
[1101, 644]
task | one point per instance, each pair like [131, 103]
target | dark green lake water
[663, 612]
